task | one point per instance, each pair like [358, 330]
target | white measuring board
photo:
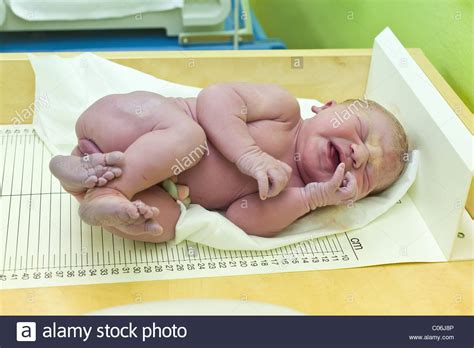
[43, 242]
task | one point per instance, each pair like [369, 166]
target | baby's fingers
[337, 178]
[350, 190]
[278, 179]
[262, 181]
[351, 182]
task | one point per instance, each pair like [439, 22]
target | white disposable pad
[70, 85]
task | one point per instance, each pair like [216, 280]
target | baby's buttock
[131, 115]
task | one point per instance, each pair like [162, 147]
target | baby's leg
[106, 207]
[138, 220]
[148, 161]
[152, 140]
[152, 158]
[103, 207]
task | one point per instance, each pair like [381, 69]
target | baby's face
[338, 134]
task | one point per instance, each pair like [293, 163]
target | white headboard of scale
[445, 144]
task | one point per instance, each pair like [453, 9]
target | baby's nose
[359, 155]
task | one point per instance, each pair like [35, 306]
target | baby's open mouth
[334, 156]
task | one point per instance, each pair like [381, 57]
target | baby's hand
[271, 174]
[320, 194]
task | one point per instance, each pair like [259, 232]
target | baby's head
[362, 134]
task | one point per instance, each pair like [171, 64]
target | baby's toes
[155, 212]
[146, 227]
[153, 227]
[101, 181]
[143, 209]
[112, 173]
[115, 171]
[108, 175]
[91, 181]
[98, 170]
[132, 212]
[149, 212]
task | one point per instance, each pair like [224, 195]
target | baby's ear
[315, 109]
[328, 104]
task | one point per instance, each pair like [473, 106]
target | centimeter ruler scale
[43, 242]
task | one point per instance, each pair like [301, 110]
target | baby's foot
[78, 174]
[108, 207]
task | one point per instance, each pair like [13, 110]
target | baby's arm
[224, 110]
[267, 218]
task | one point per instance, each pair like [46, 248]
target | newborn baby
[238, 147]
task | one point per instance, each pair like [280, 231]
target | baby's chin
[323, 176]
[315, 174]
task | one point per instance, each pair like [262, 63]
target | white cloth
[57, 10]
[65, 87]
